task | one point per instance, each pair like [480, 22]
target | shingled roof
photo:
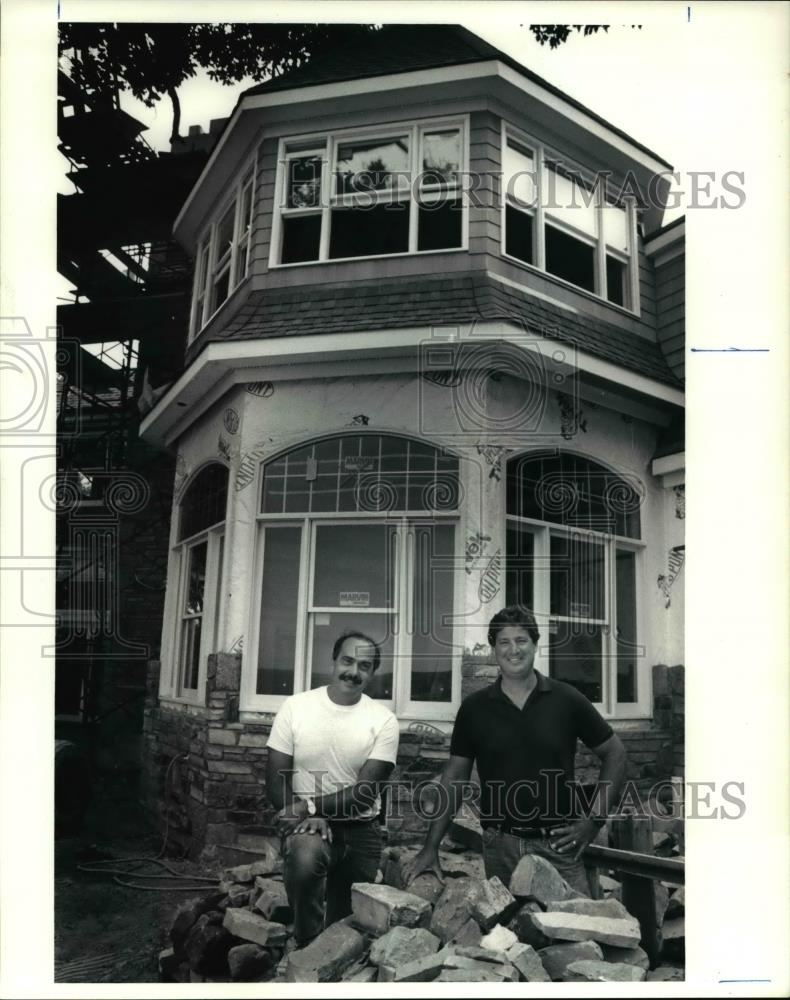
[371, 305]
[404, 48]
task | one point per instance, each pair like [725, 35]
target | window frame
[209, 271]
[214, 535]
[327, 144]
[543, 157]
[403, 521]
[542, 532]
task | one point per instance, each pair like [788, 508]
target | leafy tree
[557, 34]
[153, 60]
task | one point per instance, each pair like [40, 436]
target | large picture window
[199, 557]
[223, 253]
[563, 221]
[358, 532]
[573, 547]
[366, 194]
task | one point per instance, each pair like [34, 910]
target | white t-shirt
[333, 741]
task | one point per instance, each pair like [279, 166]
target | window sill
[355, 260]
[562, 283]
[182, 705]
[262, 716]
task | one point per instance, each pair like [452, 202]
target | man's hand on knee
[315, 824]
[286, 820]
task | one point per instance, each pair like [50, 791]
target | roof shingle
[371, 305]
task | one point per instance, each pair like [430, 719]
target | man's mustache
[352, 678]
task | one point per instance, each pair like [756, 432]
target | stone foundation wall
[204, 771]
[669, 709]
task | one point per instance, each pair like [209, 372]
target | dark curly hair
[513, 614]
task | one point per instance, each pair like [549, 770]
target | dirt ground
[106, 932]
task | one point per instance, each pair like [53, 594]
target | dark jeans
[318, 875]
[503, 851]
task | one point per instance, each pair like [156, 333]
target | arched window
[581, 522]
[358, 532]
[199, 555]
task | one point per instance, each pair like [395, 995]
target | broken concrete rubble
[557, 957]
[403, 944]
[272, 903]
[492, 904]
[590, 907]
[577, 927]
[626, 956]
[207, 946]
[248, 962]
[468, 936]
[468, 933]
[535, 878]
[527, 961]
[251, 927]
[499, 939]
[378, 907]
[666, 974]
[602, 972]
[453, 908]
[525, 928]
[326, 957]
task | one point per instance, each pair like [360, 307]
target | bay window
[198, 558]
[565, 222]
[572, 555]
[223, 253]
[370, 193]
[358, 532]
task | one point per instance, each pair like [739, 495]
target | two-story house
[434, 366]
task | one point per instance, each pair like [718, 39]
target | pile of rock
[538, 929]
[237, 932]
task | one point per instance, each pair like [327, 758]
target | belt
[528, 832]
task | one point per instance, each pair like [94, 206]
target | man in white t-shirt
[328, 752]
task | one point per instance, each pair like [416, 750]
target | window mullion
[405, 572]
[609, 664]
[540, 237]
[306, 561]
[600, 256]
[415, 144]
[327, 194]
[633, 252]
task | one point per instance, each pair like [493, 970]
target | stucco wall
[266, 418]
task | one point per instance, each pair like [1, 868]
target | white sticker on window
[354, 599]
[579, 610]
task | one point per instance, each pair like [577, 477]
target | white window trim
[610, 708]
[326, 143]
[213, 581]
[401, 703]
[170, 687]
[541, 153]
[202, 313]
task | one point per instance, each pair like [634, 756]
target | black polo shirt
[525, 757]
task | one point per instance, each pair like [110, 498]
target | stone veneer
[204, 771]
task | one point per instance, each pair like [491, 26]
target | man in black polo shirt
[522, 732]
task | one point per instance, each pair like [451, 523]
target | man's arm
[574, 837]
[456, 773]
[279, 779]
[354, 799]
[611, 777]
